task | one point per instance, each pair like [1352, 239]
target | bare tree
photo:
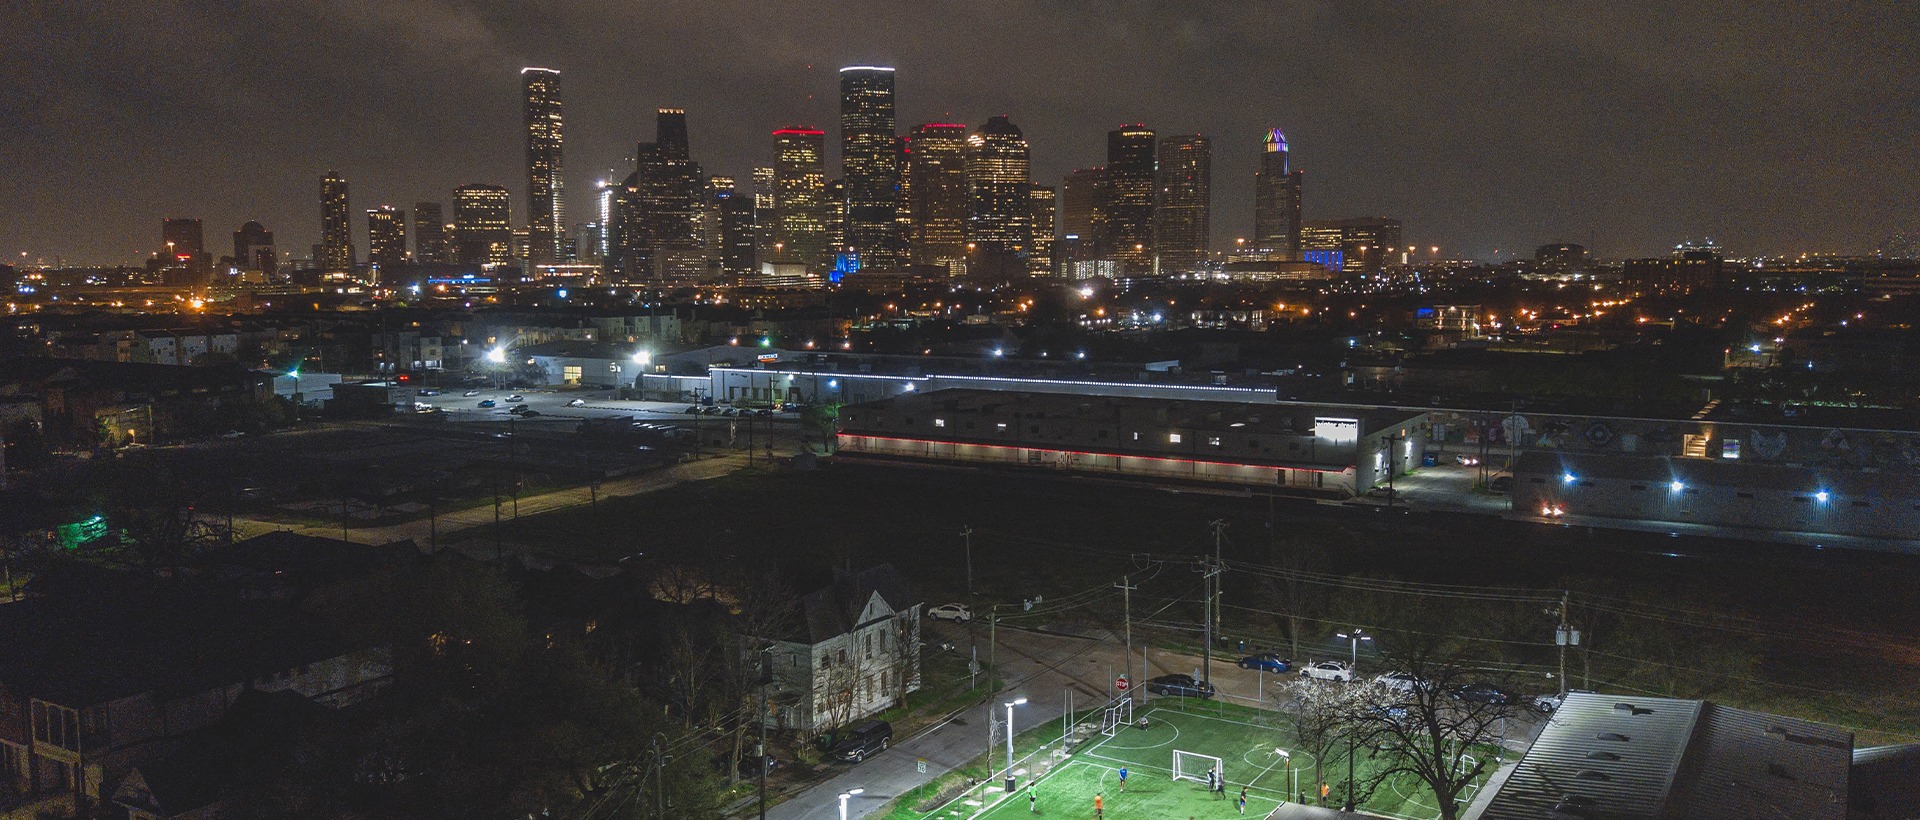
[1321, 713]
[1295, 555]
[1428, 727]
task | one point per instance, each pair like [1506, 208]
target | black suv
[1183, 685]
[864, 740]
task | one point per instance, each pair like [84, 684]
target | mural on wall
[1768, 445]
[1598, 435]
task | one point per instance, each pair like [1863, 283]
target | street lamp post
[1010, 704]
[844, 797]
[1355, 639]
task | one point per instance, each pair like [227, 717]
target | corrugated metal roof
[1600, 756]
[1620, 757]
[1751, 764]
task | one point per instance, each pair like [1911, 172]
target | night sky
[1775, 128]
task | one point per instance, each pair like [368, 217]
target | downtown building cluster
[935, 201]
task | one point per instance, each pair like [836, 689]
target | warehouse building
[1313, 449]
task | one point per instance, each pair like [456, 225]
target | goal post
[1116, 717]
[1193, 766]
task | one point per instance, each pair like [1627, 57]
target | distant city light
[1567, 477]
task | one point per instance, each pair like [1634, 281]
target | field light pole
[1355, 638]
[1291, 783]
[844, 797]
[1010, 704]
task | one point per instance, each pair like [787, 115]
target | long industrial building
[1332, 450]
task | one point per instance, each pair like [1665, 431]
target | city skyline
[1626, 132]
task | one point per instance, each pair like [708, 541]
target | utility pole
[1126, 598]
[966, 534]
[760, 755]
[1210, 627]
[1564, 637]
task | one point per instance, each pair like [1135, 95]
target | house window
[939, 422]
[1213, 441]
[613, 367]
[56, 726]
[1173, 438]
[1001, 426]
[1136, 435]
[570, 373]
[842, 656]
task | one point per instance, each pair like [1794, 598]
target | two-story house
[853, 652]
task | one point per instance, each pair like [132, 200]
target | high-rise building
[482, 225]
[937, 194]
[386, 237]
[1562, 259]
[546, 210]
[1000, 202]
[253, 249]
[336, 227]
[1183, 204]
[429, 234]
[800, 197]
[736, 232]
[1365, 244]
[765, 217]
[1042, 198]
[670, 199]
[1081, 196]
[1128, 234]
[1276, 198]
[185, 255]
[870, 166]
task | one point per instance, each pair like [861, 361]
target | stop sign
[1120, 683]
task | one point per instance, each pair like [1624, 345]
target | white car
[1328, 670]
[1405, 683]
[951, 612]
[1547, 704]
[516, 397]
[577, 403]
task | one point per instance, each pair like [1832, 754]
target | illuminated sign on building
[1336, 430]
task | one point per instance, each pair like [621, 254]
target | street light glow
[643, 357]
[1567, 478]
[497, 355]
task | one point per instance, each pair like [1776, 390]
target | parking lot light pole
[1010, 704]
[844, 797]
[1355, 639]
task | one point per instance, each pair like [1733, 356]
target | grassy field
[1243, 739]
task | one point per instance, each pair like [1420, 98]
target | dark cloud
[1774, 127]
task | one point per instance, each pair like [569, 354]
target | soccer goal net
[1192, 766]
[1116, 717]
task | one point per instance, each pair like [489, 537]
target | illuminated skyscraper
[800, 196]
[735, 231]
[765, 216]
[1276, 198]
[336, 227]
[1128, 230]
[937, 188]
[429, 234]
[546, 210]
[1040, 250]
[1182, 207]
[386, 237]
[1000, 206]
[482, 225]
[870, 166]
[669, 199]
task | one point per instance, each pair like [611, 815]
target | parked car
[1266, 662]
[577, 403]
[1501, 484]
[1547, 704]
[865, 739]
[529, 413]
[1181, 685]
[471, 393]
[426, 391]
[488, 403]
[1483, 693]
[1405, 683]
[516, 397]
[951, 612]
[1328, 670]
[752, 767]
[692, 410]
[1382, 492]
[521, 410]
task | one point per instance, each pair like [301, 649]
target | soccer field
[1243, 739]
